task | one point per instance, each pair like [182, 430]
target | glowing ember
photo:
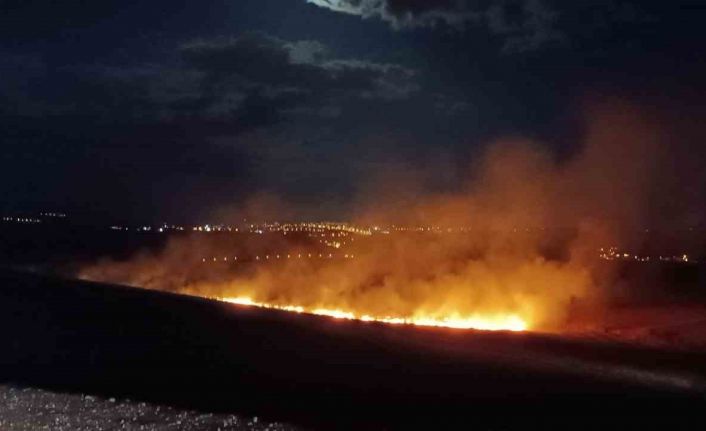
[508, 322]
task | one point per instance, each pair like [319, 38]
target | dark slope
[202, 354]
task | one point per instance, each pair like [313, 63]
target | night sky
[168, 110]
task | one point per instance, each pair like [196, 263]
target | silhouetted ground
[319, 372]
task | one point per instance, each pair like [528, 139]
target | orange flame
[507, 322]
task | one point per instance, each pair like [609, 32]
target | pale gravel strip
[29, 409]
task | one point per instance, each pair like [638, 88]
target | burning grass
[486, 323]
[499, 275]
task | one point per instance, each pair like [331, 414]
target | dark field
[321, 372]
[641, 360]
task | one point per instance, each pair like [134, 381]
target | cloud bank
[523, 25]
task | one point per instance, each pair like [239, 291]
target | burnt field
[322, 372]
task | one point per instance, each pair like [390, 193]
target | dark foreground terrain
[29, 409]
[192, 353]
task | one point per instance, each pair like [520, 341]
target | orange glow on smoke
[531, 226]
[506, 322]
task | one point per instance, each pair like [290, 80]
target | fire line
[509, 322]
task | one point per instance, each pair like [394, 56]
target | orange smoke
[492, 276]
[532, 228]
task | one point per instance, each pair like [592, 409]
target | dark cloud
[402, 13]
[528, 25]
[523, 25]
[228, 84]
[301, 70]
[157, 103]
[174, 125]
[225, 85]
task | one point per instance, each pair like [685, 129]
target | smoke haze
[534, 226]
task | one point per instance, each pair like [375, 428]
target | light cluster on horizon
[614, 253]
[33, 218]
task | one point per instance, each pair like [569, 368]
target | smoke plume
[520, 239]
